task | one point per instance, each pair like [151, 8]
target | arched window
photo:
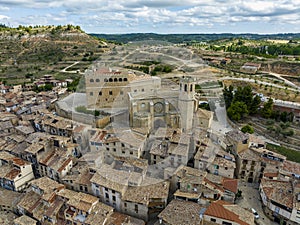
[125, 79]
[116, 80]
[191, 87]
[105, 80]
[120, 80]
[110, 80]
[92, 80]
[185, 87]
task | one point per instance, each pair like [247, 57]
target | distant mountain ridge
[183, 38]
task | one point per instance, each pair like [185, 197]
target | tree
[228, 95]
[267, 110]
[237, 110]
[247, 129]
[253, 108]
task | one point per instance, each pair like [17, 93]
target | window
[106, 189]
[100, 93]
[213, 220]
[97, 80]
[131, 153]
[105, 80]
[113, 191]
[226, 223]
[116, 80]
[122, 144]
[120, 79]
[136, 208]
[110, 80]
[114, 198]
[121, 92]
[115, 150]
[125, 79]
[191, 87]
[185, 87]
[125, 204]
[143, 89]
[106, 195]
[91, 93]
[92, 80]
[110, 93]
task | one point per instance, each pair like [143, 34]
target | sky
[154, 16]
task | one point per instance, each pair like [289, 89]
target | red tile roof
[217, 209]
[230, 184]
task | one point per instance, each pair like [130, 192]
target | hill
[30, 52]
[185, 38]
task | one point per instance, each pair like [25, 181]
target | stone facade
[108, 88]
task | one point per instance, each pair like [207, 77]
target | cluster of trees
[241, 102]
[161, 68]
[46, 87]
[154, 71]
[273, 50]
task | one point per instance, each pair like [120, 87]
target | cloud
[3, 17]
[161, 14]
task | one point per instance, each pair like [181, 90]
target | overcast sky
[167, 16]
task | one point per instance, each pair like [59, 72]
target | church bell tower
[186, 102]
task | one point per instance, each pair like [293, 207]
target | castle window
[91, 80]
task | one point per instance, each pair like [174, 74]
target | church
[168, 108]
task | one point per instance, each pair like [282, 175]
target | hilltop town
[128, 141]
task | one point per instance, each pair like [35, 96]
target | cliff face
[292, 69]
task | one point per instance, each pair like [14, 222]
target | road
[73, 71]
[279, 76]
[251, 199]
[259, 82]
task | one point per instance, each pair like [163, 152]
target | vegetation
[83, 109]
[247, 129]
[46, 87]
[289, 153]
[281, 129]
[192, 39]
[241, 102]
[33, 51]
[145, 67]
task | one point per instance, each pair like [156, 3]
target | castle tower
[186, 102]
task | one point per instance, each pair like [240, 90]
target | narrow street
[251, 199]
